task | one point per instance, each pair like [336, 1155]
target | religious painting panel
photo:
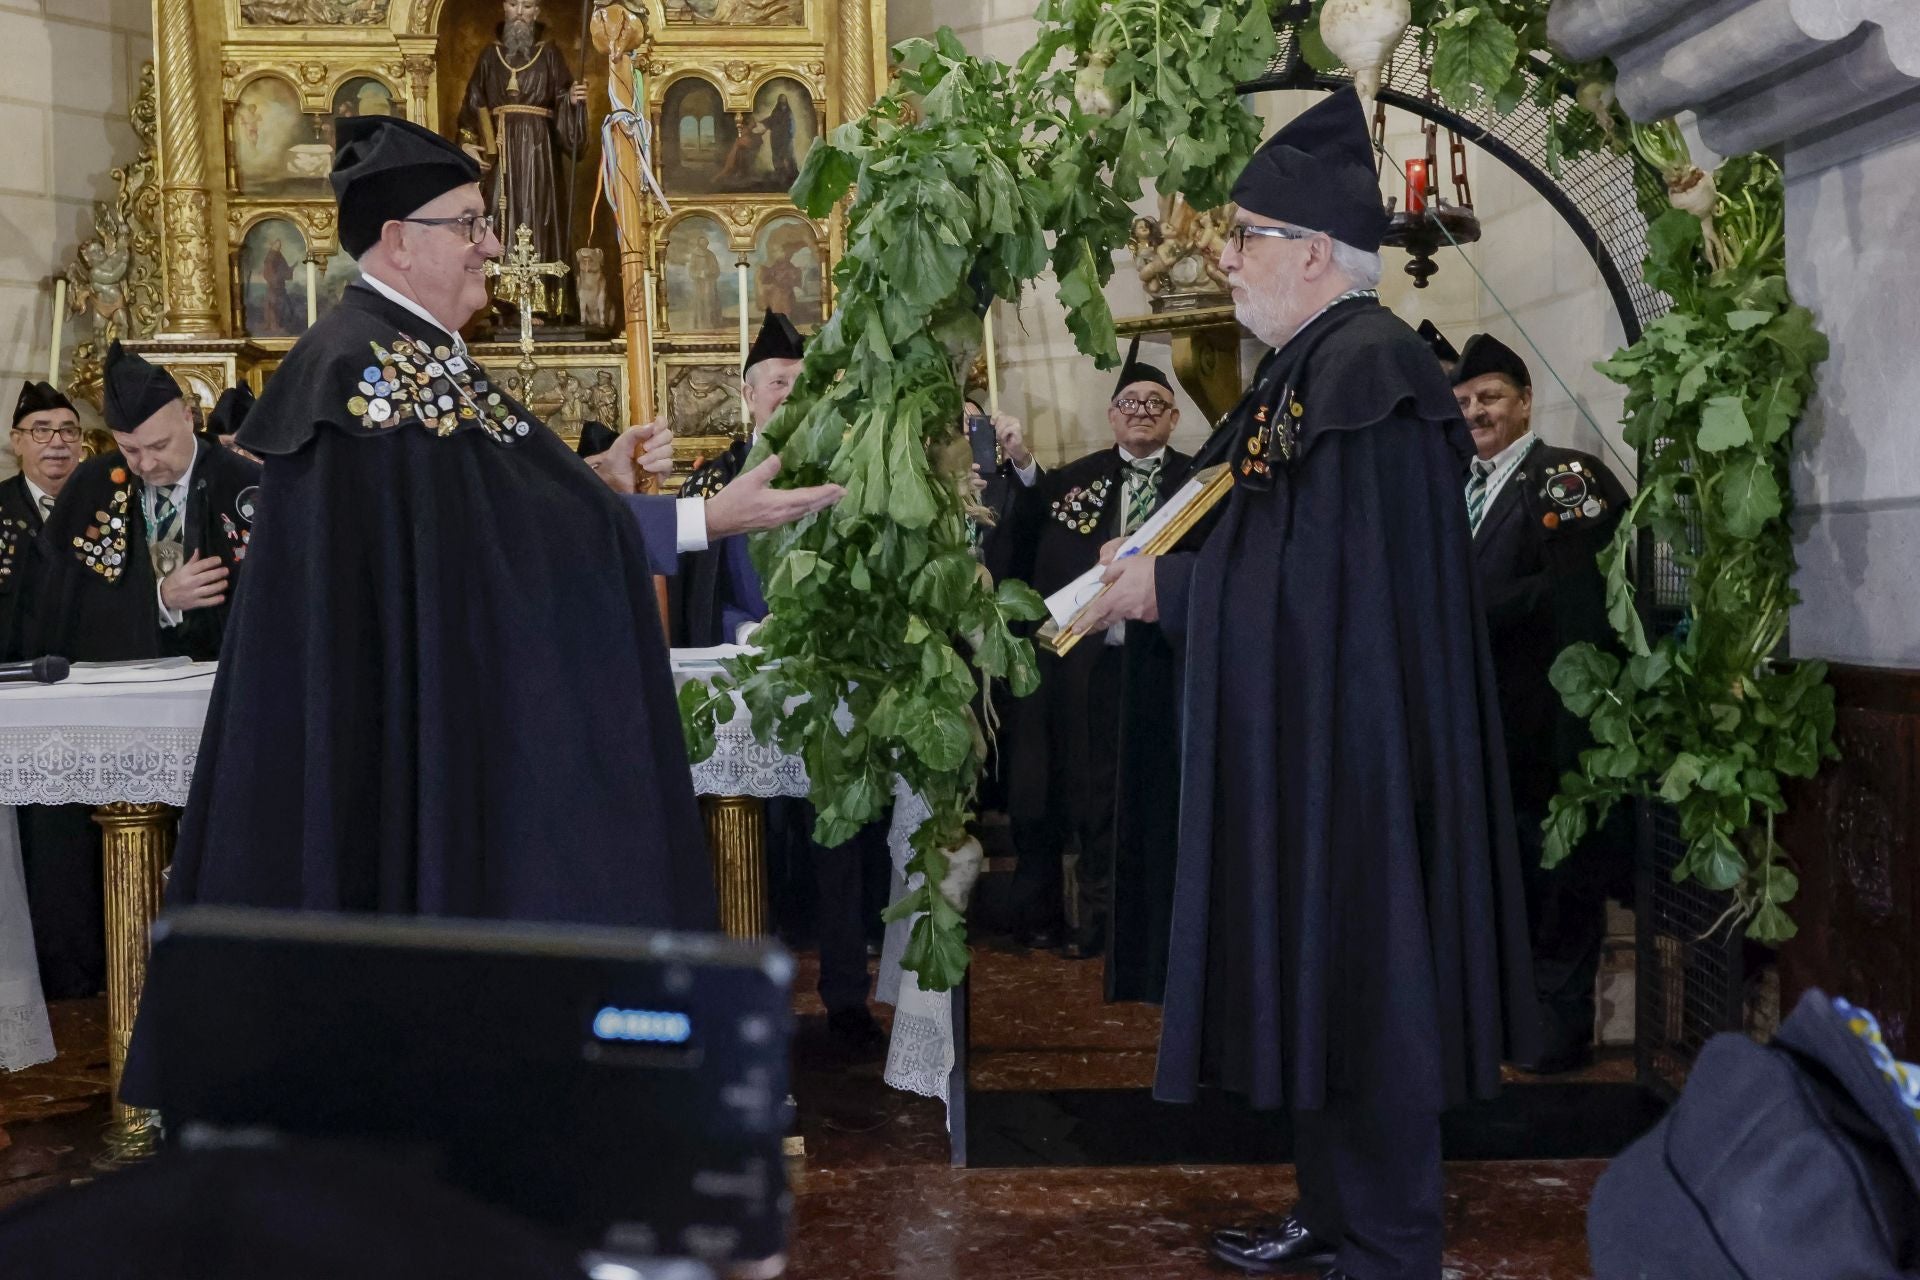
[313, 13]
[700, 394]
[273, 287]
[366, 96]
[736, 13]
[568, 390]
[788, 273]
[697, 138]
[702, 295]
[780, 129]
[277, 149]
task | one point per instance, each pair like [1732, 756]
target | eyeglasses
[1152, 406]
[42, 435]
[478, 226]
[1239, 232]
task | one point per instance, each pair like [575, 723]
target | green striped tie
[1477, 493]
[1143, 492]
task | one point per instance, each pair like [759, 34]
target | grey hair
[1361, 268]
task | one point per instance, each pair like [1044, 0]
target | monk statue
[522, 105]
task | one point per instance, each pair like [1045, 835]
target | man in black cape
[46, 439]
[721, 602]
[1062, 756]
[400, 724]
[1540, 516]
[59, 844]
[1349, 932]
[720, 597]
[145, 545]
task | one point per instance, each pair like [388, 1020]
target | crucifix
[523, 282]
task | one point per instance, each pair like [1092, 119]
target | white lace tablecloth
[138, 742]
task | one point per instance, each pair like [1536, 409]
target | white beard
[518, 38]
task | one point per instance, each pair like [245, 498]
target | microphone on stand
[47, 670]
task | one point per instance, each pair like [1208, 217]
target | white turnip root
[1363, 35]
[1090, 85]
[1691, 190]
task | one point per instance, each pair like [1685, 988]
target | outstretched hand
[750, 504]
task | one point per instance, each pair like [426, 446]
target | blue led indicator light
[643, 1026]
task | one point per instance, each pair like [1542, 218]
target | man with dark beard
[1349, 931]
[523, 100]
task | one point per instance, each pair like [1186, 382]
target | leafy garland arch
[969, 178]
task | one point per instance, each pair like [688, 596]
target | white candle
[993, 367]
[313, 297]
[745, 413]
[59, 318]
[648, 278]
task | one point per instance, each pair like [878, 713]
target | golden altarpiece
[221, 247]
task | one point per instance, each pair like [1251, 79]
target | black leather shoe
[1272, 1248]
[1040, 939]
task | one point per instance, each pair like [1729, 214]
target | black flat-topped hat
[1318, 173]
[230, 411]
[777, 340]
[1486, 354]
[38, 397]
[1437, 342]
[384, 168]
[1134, 370]
[134, 389]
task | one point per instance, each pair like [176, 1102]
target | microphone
[47, 670]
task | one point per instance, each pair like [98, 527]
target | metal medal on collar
[167, 556]
[1567, 489]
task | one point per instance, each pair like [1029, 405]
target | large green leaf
[1749, 495]
[1723, 424]
[1472, 57]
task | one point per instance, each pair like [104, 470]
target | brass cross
[523, 281]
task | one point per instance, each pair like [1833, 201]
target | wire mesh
[1690, 979]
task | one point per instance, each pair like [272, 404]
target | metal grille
[1689, 985]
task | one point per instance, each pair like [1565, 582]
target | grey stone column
[1833, 87]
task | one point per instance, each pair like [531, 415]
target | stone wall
[1834, 87]
[1529, 259]
[68, 72]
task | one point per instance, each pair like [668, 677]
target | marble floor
[876, 1195]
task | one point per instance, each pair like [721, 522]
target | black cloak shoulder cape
[1348, 916]
[98, 600]
[702, 580]
[20, 564]
[402, 722]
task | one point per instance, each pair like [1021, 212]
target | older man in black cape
[1349, 934]
[401, 723]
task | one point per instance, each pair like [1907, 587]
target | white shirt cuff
[690, 524]
[168, 618]
[1029, 473]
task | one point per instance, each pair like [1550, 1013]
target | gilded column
[136, 847]
[736, 835]
[862, 64]
[185, 208]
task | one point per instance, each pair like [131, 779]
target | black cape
[705, 576]
[1055, 541]
[399, 724]
[21, 564]
[98, 600]
[1349, 920]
